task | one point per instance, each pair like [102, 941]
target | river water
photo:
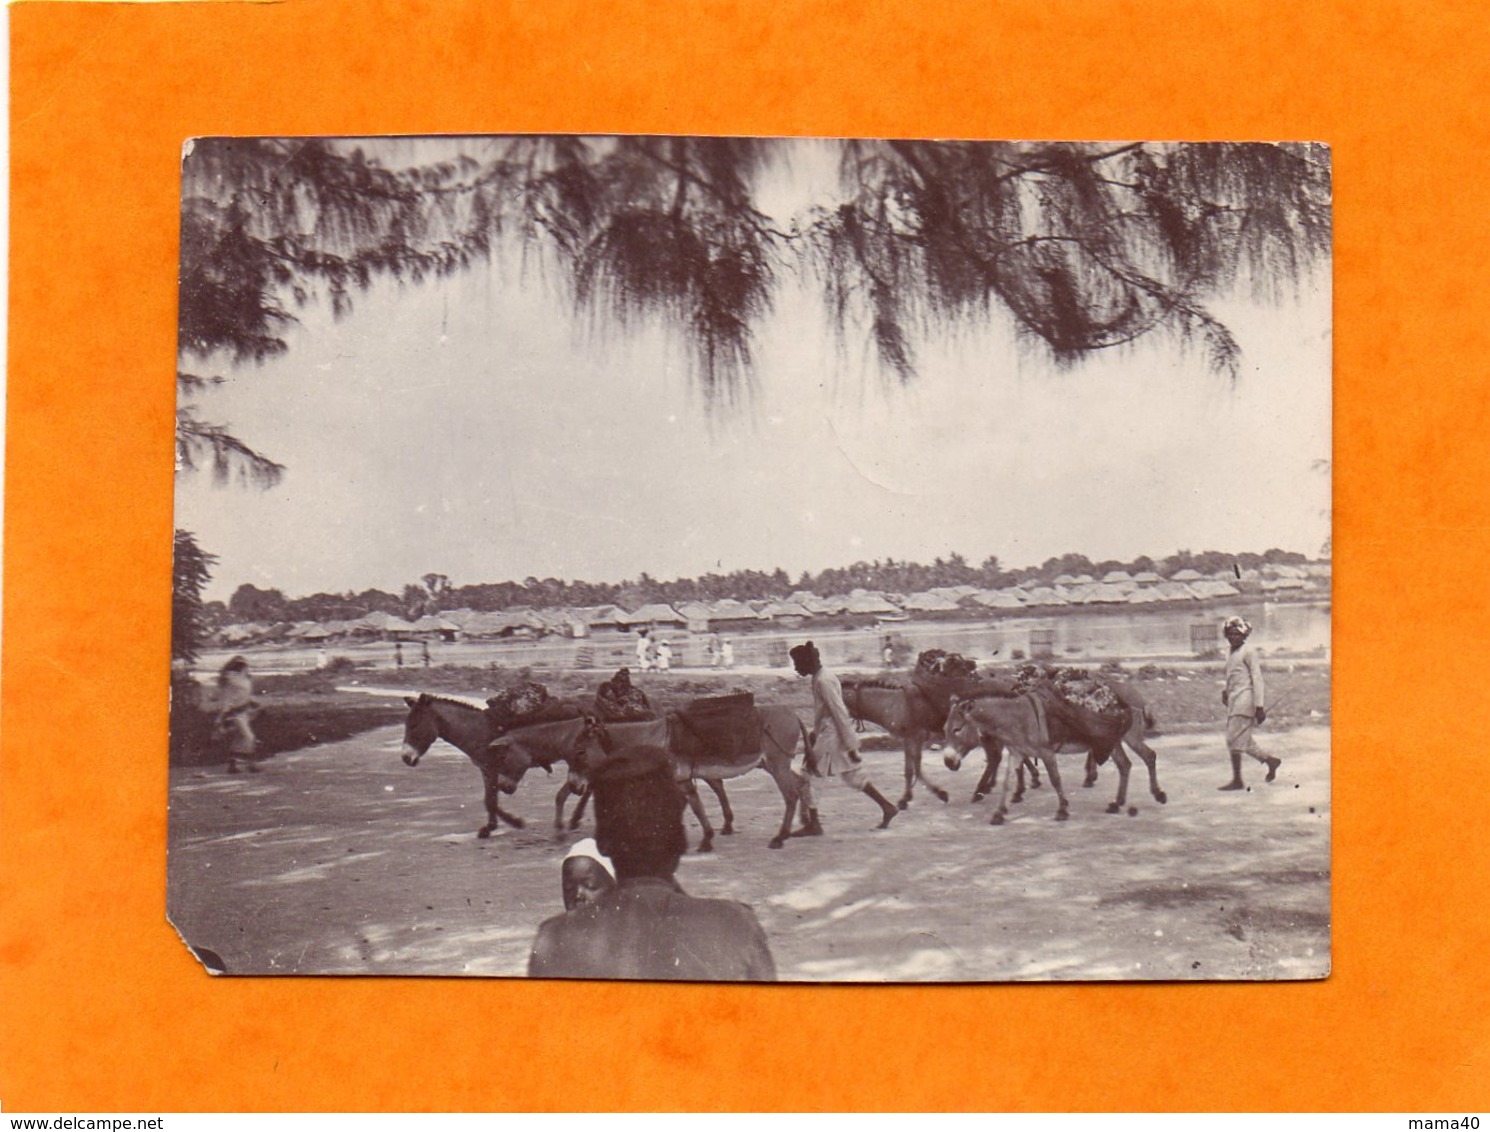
[1097, 634]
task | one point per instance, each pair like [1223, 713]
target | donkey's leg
[1054, 774]
[1091, 770]
[1012, 758]
[1124, 764]
[695, 803]
[489, 795]
[559, 799]
[941, 795]
[912, 765]
[1150, 760]
[492, 795]
[789, 783]
[579, 810]
[990, 771]
[717, 785]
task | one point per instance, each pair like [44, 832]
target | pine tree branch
[199, 444]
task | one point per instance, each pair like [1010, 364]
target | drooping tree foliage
[268, 226]
[1084, 246]
[191, 570]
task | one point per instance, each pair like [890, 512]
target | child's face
[585, 881]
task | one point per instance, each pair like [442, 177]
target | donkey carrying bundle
[718, 729]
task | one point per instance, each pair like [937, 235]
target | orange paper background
[102, 1007]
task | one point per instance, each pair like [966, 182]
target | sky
[474, 427]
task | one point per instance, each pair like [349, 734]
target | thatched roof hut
[868, 602]
[655, 613]
[929, 602]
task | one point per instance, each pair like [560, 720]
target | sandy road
[338, 859]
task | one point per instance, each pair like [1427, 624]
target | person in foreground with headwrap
[585, 875]
[834, 745]
[647, 927]
[1243, 697]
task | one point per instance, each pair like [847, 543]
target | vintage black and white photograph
[749, 559]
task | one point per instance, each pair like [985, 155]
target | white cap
[586, 847]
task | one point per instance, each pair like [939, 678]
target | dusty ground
[338, 859]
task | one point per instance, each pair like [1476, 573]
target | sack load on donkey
[939, 664]
[1075, 688]
[940, 675]
[618, 700]
[523, 703]
[724, 728]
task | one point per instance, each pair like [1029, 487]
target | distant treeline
[435, 592]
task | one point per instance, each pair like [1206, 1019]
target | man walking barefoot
[1243, 698]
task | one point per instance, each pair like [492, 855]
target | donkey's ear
[411, 701]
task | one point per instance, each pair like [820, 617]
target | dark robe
[649, 928]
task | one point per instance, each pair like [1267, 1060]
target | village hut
[997, 599]
[790, 613]
[655, 613]
[1175, 591]
[1214, 588]
[728, 614]
[520, 622]
[384, 626]
[605, 618]
[825, 606]
[696, 615]
[956, 593]
[238, 634]
[1046, 595]
[929, 602]
[867, 602]
[434, 626]
[479, 625]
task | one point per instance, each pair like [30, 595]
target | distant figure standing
[664, 656]
[727, 654]
[424, 652]
[887, 653]
[833, 745]
[648, 927]
[716, 656]
[234, 719]
[321, 659]
[398, 654]
[1243, 698]
[643, 651]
